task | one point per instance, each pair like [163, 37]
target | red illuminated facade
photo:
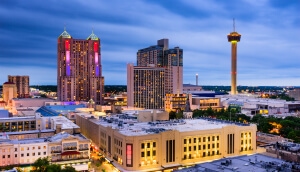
[79, 70]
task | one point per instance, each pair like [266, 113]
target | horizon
[267, 53]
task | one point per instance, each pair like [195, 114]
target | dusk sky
[268, 54]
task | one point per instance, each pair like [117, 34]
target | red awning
[70, 153]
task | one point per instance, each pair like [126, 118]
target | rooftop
[129, 126]
[257, 163]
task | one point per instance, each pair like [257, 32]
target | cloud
[268, 51]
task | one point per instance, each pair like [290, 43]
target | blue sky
[268, 54]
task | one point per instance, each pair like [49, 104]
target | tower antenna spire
[233, 25]
[64, 26]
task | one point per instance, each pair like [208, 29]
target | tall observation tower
[233, 37]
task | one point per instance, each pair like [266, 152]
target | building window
[16, 155]
[44, 153]
[217, 145]
[22, 155]
[142, 154]
[195, 148]
[16, 149]
[217, 137]
[39, 153]
[204, 147]
[190, 148]
[213, 138]
[213, 145]
[242, 134]
[208, 146]
[204, 154]
[44, 147]
[148, 153]
[148, 145]
[143, 145]
[208, 139]
[199, 147]
[190, 140]
[204, 139]
[27, 154]
[39, 147]
[184, 149]
[154, 153]
[33, 154]
[199, 139]
[184, 141]
[8, 156]
[154, 144]
[3, 156]
[195, 140]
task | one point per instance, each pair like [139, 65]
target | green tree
[40, 164]
[53, 168]
[172, 115]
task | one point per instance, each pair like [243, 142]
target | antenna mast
[233, 25]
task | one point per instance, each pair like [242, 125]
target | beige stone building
[151, 146]
[9, 91]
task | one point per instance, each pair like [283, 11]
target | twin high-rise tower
[79, 69]
[233, 38]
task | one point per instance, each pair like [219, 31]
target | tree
[172, 115]
[40, 164]
[53, 168]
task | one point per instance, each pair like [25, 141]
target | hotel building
[22, 83]
[162, 58]
[146, 87]
[160, 145]
[79, 69]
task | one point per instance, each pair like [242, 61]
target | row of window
[23, 148]
[199, 147]
[148, 153]
[246, 134]
[204, 139]
[246, 141]
[204, 154]
[22, 155]
[148, 145]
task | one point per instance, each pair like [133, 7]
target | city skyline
[267, 55]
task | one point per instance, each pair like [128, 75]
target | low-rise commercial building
[62, 148]
[158, 145]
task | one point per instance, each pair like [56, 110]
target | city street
[104, 166]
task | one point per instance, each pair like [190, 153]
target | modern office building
[145, 87]
[9, 91]
[79, 69]
[22, 83]
[160, 145]
[167, 61]
[233, 38]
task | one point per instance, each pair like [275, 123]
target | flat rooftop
[130, 127]
[256, 162]
[65, 122]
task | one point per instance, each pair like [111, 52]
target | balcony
[71, 160]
